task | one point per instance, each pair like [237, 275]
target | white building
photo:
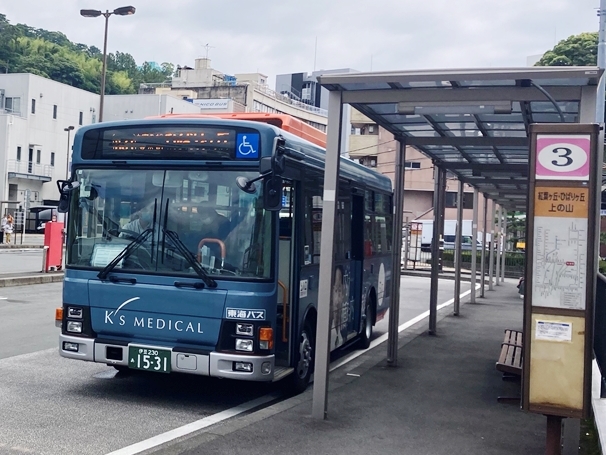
[34, 115]
[247, 92]
[33, 141]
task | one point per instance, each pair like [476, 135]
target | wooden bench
[510, 359]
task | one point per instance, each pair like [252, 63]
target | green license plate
[149, 359]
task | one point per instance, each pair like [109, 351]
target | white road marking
[194, 426]
[233, 412]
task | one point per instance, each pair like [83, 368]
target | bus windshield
[206, 216]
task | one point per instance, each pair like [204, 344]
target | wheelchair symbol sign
[247, 145]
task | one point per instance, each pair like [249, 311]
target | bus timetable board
[561, 271]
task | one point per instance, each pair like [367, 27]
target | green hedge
[512, 258]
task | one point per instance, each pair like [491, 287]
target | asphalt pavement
[440, 399]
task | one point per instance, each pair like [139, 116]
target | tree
[52, 55]
[577, 50]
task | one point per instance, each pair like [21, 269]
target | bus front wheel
[304, 360]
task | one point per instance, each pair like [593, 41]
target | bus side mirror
[277, 157]
[272, 193]
[65, 190]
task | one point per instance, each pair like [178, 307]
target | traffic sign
[563, 156]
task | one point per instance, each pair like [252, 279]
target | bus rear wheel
[369, 317]
[304, 361]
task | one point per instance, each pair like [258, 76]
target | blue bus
[193, 247]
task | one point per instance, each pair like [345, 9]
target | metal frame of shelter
[473, 123]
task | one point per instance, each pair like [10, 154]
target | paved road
[14, 261]
[27, 315]
[50, 405]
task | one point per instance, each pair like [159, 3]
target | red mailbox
[53, 239]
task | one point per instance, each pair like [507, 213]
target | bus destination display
[154, 142]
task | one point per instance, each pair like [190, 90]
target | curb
[31, 279]
[20, 247]
[442, 276]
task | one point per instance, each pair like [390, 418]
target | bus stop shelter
[473, 124]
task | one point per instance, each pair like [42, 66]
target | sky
[287, 36]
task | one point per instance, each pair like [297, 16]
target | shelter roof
[473, 122]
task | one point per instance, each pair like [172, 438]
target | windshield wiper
[189, 257]
[130, 248]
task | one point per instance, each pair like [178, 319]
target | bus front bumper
[216, 364]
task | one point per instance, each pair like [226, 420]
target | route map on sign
[559, 262]
[559, 259]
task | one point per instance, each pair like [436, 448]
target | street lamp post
[69, 130]
[122, 11]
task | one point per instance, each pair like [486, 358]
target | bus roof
[283, 121]
[316, 154]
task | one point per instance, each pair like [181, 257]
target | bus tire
[369, 320]
[304, 360]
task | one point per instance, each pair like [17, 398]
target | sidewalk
[31, 243]
[28, 241]
[441, 399]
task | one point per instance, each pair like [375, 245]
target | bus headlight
[244, 329]
[244, 345]
[67, 346]
[74, 312]
[74, 326]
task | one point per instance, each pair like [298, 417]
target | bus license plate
[149, 359]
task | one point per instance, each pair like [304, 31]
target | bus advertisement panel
[193, 246]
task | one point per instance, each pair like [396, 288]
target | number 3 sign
[563, 157]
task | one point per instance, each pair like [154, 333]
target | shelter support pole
[394, 303]
[438, 204]
[442, 218]
[331, 174]
[492, 245]
[406, 241]
[504, 237]
[474, 245]
[498, 243]
[483, 259]
[457, 259]
[601, 61]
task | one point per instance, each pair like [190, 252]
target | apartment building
[38, 119]
[245, 92]
[375, 147]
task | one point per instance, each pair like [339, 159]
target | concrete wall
[127, 107]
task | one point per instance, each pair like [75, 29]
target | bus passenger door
[286, 259]
[357, 255]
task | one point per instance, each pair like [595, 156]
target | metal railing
[421, 260]
[28, 167]
[288, 100]
[599, 334]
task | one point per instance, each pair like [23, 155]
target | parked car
[449, 243]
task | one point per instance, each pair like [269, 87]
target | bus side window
[285, 227]
[313, 225]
